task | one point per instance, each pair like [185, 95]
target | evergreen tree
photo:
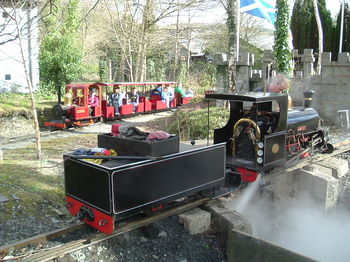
[61, 51]
[304, 27]
[346, 31]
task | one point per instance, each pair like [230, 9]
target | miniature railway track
[24, 138]
[58, 251]
[11, 143]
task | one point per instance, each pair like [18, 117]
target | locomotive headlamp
[260, 152]
[261, 145]
[259, 160]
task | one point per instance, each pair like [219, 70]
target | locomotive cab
[255, 133]
[75, 110]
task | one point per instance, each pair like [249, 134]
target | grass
[34, 182]
[193, 124]
[12, 104]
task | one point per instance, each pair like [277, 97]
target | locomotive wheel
[57, 111]
[328, 149]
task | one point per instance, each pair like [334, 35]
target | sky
[218, 14]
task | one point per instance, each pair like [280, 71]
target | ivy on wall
[281, 51]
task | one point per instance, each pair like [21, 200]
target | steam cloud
[298, 225]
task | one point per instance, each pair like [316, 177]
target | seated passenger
[179, 89]
[171, 95]
[134, 98]
[157, 90]
[189, 92]
[167, 96]
[93, 100]
[116, 100]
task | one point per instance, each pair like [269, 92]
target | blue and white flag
[260, 8]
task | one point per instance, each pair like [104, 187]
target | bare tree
[125, 32]
[17, 18]
[320, 36]
[250, 27]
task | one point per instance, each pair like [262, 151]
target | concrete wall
[242, 247]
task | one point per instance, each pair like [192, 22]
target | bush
[194, 124]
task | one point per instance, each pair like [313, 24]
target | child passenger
[134, 98]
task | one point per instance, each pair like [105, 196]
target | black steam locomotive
[261, 134]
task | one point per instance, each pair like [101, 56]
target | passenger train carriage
[74, 111]
[261, 134]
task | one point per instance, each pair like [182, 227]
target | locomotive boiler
[260, 135]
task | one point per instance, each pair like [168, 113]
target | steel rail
[61, 250]
[44, 237]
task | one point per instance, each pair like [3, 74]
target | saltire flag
[260, 8]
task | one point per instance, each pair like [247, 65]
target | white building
[12, 74]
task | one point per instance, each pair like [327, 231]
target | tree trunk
[30, 86]
[147, 22]
[176, 54]
[189, 39]
[320, 36]
[232, 34]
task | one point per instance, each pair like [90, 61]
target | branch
[92, 8]
[224, 5]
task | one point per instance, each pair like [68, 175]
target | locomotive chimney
[308, 97]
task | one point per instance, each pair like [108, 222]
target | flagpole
[238, 19]
[341, 27]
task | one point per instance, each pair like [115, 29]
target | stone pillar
[221, 63]
[308, 62]
[267, 66]
[343, 59]
[297, 65]
[243, 72]
[326, 58]
[326, 64]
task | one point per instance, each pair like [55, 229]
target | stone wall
[332, 86]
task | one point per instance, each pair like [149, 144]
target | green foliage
[245, 46]
[282, 53]
[194, 124]
[203, 74]
[61, 51]
[157, 65]
[304, 27]
[183, 72]
[103, 71]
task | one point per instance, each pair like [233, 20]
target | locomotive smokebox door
[274, 153]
